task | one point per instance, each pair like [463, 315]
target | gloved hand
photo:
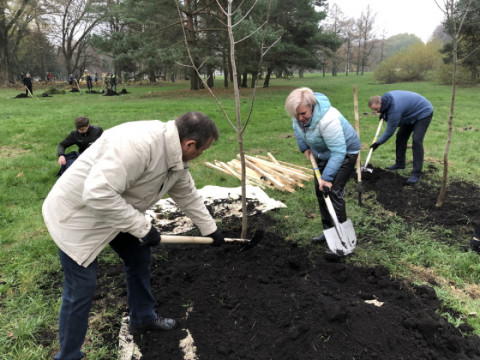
[326, 190]
[374, 146]
[218, 238]
[152, 238]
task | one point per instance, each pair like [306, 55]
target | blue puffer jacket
[402, 108]
[329, 135]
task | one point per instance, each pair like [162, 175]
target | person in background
[106, 82]
[70, 79]
[474, 244]
[101, 200]
[27, 81]
[84, 136]
[113, 82]
[321, 130]
[411, 113]
[89, 82]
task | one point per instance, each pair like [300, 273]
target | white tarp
[213, 195]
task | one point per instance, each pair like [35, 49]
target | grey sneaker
[160, 324]
[413, 179]
[395, 167]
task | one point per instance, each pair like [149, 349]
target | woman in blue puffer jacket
[322, 130]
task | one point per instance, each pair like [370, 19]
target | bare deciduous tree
[365, 33]
[454, 22]
[72, 22]
[15, 17]
[240, 124]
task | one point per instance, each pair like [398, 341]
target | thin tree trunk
[239, 128]
[443, 188]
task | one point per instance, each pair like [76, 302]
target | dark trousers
[337, 192]
[79, 290]
[477, 231]
[419, 128]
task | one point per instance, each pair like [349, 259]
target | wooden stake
[272, 158]
[357, 129]
[281, 168]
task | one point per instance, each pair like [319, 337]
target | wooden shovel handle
[177, 239]
[380, 123]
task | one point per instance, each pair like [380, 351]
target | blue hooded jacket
[328, 134]
[402, 108]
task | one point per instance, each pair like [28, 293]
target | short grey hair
[196, 126]
[375, 99]
[300, 96]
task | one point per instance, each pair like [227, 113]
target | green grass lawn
[32, 128]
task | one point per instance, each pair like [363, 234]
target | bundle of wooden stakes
[265, 172]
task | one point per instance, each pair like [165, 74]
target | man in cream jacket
[102, 201]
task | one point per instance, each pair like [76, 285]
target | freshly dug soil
[416, 204]
[278, 301]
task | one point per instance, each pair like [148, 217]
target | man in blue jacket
[411, 113]
[322, 130]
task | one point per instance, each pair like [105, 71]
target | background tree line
[142, 39]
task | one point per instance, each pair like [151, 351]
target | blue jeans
[70, 158]
[79, 291]
[419, 128]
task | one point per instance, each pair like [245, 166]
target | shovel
[341, 239]
[26, 87]
[246, 243]
[371, 150]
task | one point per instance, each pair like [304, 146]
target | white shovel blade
[344, 245]
[349, 234]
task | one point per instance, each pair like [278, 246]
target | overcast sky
[419, 17]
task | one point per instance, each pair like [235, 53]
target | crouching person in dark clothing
[83, 137]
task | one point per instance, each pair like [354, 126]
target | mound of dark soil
[277, 301]
[416, 204]
[21, 96]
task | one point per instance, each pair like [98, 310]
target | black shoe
[319, 239]
[395, 167]
[474, 245]
[160, 324]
